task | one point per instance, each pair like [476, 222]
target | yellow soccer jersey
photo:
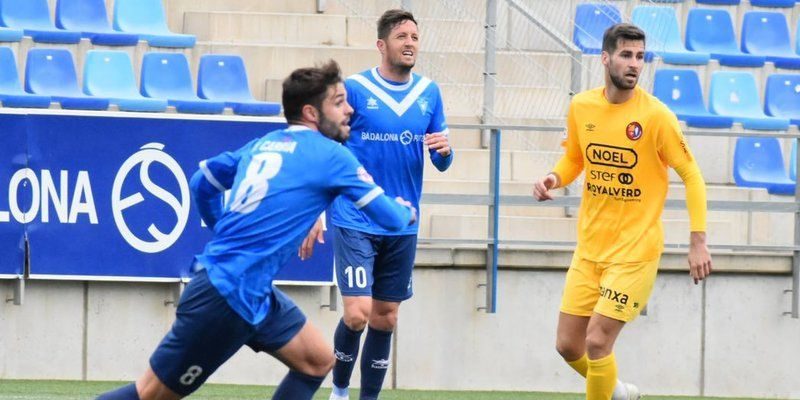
[625, 150]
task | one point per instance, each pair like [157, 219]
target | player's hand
[438, 142]
[315, 234]
[699, 258]
[406, 203]
[541, 189]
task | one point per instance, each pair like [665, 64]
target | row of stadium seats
[108, 78]
[733, 97]
[756, 3]
[76, 19]
[709, 35]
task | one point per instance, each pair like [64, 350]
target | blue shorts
[374, 265]
[207, 331]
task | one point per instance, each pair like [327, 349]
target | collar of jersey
[294, 128]
[398, 108]
[389, 85]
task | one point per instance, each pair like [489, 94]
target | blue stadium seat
[772, 3]
[89, 18]
[224, 78]
[680, 90]
[793, 161]
[167, 76]
[664, 36]
[51, 72]
[758, 162]
[11, 34]
[735, 94]
[591, 21]
[710, 30]
[33, 17]
[147, 19]
[719, 2]
[782, 97]
[767, 33]
[110, 74]
[11, 94]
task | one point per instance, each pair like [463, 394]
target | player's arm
[350, 179]
[568, 167]
[208, 185]
[674, 149]
[437, 139]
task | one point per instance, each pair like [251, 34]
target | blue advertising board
[12, 220]
[110, 197]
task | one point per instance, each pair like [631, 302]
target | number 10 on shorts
[357, 274]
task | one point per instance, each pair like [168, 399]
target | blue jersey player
[398, 117]
[278, 185]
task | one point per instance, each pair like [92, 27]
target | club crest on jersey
[423, 105]
[364, 175]
[372, 103]
[634, 131]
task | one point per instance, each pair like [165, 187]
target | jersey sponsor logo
[146, 156]
[406, 137]
[613, 295]
[605, 176]
[611, 156]
[364, 175]
[613, 191]
[634, 131]
[372, 103]
[625, 178]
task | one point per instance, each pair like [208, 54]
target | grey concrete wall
[728, 338]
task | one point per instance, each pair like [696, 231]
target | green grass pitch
[76, 390]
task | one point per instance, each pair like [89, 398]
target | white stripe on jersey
[398, 108]
[211, 179]
[372, 195]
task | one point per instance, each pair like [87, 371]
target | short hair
[623, 31]
[392, 18]
[308, 86]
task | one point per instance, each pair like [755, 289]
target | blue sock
[345, 348]
[127, 392]
[297, 386]
[374, 362]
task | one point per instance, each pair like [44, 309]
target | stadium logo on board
[634, 131]
[406, 137]
[149, 154]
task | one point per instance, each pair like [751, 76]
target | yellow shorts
[615, 290]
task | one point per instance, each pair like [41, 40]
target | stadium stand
[11, 93]
[782, 97]
[664, 35]
[711, 31]
[51, 72]
[110, 74]
[758, 162]
[33, 17]
[10, 35]
[772, 3]
[719, 2]
[735, 94]
[167, 76]
[767, 33]
[680, 90]
[224, 78]
[591, 20]
[90, 18]
[147, 19]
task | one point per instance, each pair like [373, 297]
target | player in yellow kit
[624, 139]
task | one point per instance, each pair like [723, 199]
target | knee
[384, 320]
[356, 321]
[569, 350]
[598, 345]
[318, 365]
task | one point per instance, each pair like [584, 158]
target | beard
[337, 132]
[401, 66]
[621, 83]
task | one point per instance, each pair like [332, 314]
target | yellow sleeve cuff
[695, 195]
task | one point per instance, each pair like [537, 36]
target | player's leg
[206, 332]
[393, 284]
[289, 337]
[355, 255]
[624, 291]
[571, 341]
[578, 300]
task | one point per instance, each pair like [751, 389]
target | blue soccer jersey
[387, 131]
[279, 185]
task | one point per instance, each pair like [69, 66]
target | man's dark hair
[623, 31]
[308, 86]
[392, 18]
